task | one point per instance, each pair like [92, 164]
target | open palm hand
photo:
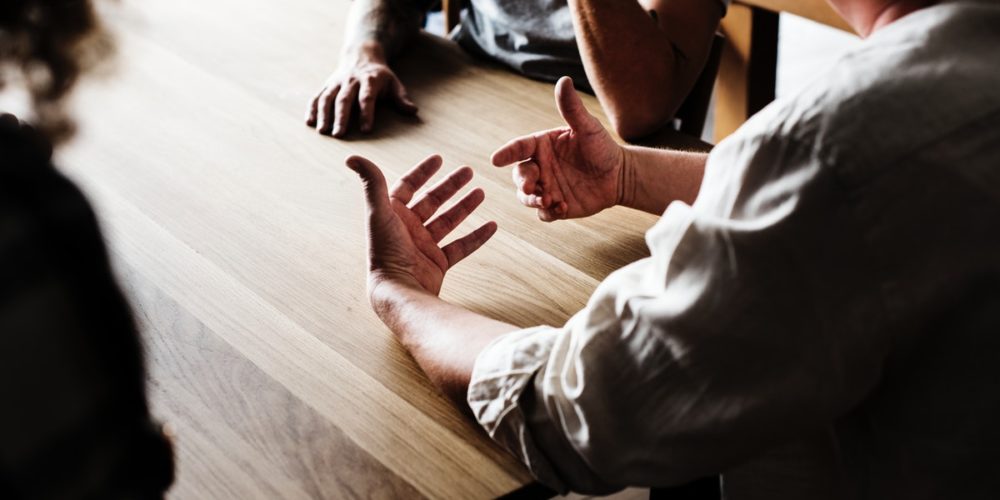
[403, 241]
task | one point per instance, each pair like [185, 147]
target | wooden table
[238, 235]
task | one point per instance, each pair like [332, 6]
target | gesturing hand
[567, 172]
[402, 244]
[363, 83]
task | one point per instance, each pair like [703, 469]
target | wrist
[365, 52]
[626, 178]
[387, 291]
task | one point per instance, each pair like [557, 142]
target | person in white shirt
[823, 287]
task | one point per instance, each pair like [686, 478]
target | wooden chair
[748, 67]
[452, 10]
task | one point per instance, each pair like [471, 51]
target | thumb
[376, 191]
[572, 109]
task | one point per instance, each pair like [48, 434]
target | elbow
[641, 119]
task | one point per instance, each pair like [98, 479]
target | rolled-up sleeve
[739, 330]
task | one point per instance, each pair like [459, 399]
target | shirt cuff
[503, 371]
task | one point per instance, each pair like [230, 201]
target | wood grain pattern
[238, 234]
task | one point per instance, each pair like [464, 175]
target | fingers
[313, 110]
[400, 97]
[324, 105]
[376, 191]
[572, 109]
[552, 213]
[367, 96]
[532, 192]
[516, 150]
[436, 196]
[532, 200]
[330, 110]
[344, 105]
[415, 179]
[528, 190]
[445, 223]
[465, 246]
[525, 176]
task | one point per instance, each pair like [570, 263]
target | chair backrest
[452, 10]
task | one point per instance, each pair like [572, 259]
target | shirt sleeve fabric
[740, 329]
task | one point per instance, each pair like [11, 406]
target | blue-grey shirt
[534, 37]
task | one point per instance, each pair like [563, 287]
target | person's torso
[534, 37]
[910, 125]
[71, 369]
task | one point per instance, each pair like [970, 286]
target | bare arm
[653, 178]
[443, 338]
[642, 66]
[407, 264]
[376, 31]
[384, 24]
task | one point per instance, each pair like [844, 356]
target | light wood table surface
[238, 235]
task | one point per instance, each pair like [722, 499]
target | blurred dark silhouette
[74, 421]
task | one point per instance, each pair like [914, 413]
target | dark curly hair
[45, 45]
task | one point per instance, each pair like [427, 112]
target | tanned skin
[642, 58]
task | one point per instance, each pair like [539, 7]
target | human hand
[402, 244]
[567, 172]
[362, 83]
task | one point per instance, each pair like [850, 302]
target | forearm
[377, 29]
[654, 178]
[629, 62]
[443, 338]
[640, 66]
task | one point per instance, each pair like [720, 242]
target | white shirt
[831, 301]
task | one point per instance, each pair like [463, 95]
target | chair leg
[748, 69]
[452, 13]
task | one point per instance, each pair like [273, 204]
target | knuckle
[434, 198]
[446, 221]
